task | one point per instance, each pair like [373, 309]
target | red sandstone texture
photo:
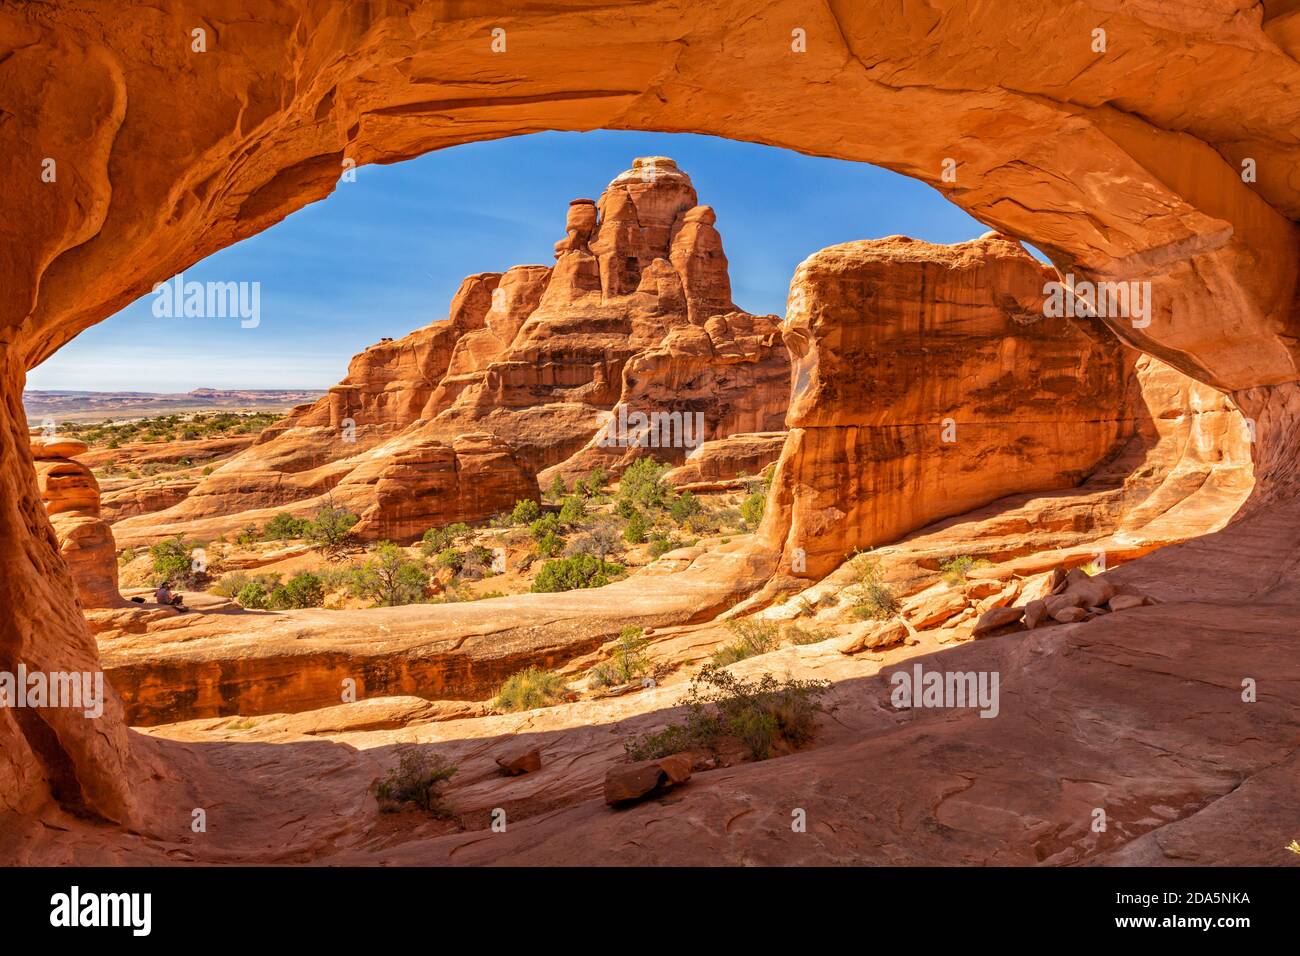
[1124, 166]
[535, 368]
[926, 382]
[71, 497]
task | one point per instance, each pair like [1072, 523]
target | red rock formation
[143, 496]
[71, 497]
[635, 315]
[719, 462]
[1119, 166]
[928, 382]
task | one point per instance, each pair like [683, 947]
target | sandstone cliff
[926, 382]
[635, 316]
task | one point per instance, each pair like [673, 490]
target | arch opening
[1139, 194]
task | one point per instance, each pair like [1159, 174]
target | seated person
[164, 595]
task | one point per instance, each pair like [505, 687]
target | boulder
[54, 448]
[1092, 591]
[1122, 602]
[520, 760]
[1069, 614]
[1035, 612]
[995, 619]
[628, 783]
[872, 634]
[1057, 602]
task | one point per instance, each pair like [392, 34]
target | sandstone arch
[1119, 166]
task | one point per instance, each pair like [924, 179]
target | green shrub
[753, 637]
[800, 636]
[558, 489]
[285, 526]
[871, 597]
[529, 689]
[248, 535]
[253, 596]
[231, 584]
[304, 589]
[627, 662]
[549, 545]
[436, 540]
[526, 510]
[956, 569]
[702, 523]
[173, 561]
[751, 510]
[389, 578]
[331, 530]
[548, 524]
[450, 558]
[477, 562]
[418, 778]
[579, 571]
[760, 713]
[573, 510]
[635, 531]
[642, 483]
[593, 484]
[662, 544]
[876, 603]
[684, 507]
[601, 540]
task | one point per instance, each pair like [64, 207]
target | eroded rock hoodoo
[536, 368]
[71, 497]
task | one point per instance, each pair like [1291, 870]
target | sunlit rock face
[71, 496]
[927, 381]
[545, 365]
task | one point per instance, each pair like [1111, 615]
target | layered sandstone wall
[927, 381]
[720, 462]
[50, 754]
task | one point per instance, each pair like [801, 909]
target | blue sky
[383, 255]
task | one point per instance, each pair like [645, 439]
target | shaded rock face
[71, 497]
[926, 382]
[635, 318]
